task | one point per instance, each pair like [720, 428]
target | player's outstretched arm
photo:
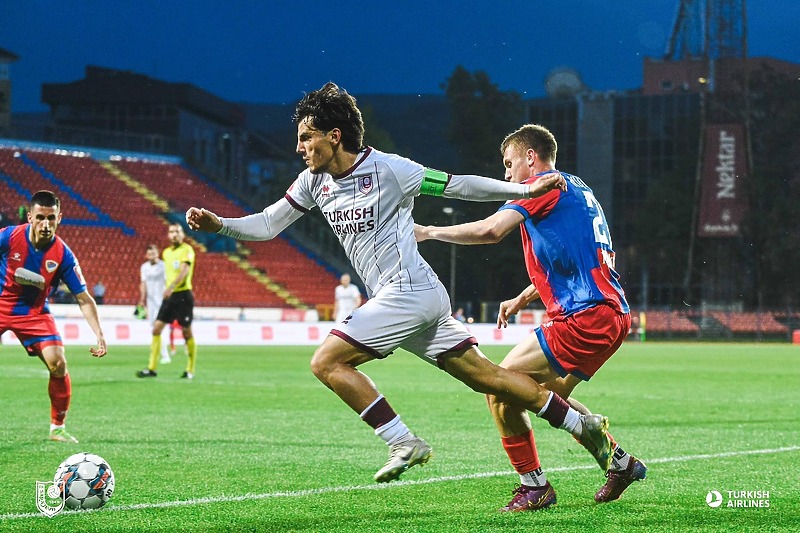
[88, 308]
[487, 231]
[482, 189]
[513, 306]
[261, 226]
[200, 219]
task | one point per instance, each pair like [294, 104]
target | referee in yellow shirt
[178, 301]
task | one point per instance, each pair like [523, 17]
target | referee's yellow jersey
[174, 257]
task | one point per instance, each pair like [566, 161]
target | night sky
[274, 51]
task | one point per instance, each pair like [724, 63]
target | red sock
[60, 390]
[521, 450]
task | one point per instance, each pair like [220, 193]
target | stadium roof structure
[111, 86]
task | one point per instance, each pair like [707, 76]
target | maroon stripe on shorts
[460, 347]
[363, 347]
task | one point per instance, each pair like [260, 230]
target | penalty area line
[383, 486]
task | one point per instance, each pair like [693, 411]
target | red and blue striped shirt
[568, 251]
[28, 275]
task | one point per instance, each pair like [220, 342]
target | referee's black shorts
[179, 306]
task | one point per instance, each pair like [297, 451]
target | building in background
[6, 58]
[625, 143]
[120, 109]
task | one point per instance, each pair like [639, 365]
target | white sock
[394, 431]
[534, 479]
[573, 422]
[546, 405]
[53, 426]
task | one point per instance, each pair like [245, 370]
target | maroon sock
[60, 391]
[379, 414]
[556, 411]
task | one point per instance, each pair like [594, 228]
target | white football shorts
[417, 321]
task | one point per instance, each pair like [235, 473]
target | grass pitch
[255, 443]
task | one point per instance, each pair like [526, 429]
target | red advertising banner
[723, 199]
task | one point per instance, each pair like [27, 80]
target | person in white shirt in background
[347, 298]
[152, 284]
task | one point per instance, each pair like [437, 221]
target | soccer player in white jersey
[366, 197]
[152, 282]
[347, 298]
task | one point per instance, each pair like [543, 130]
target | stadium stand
[12, 197]
[669, 321]
[114, 209]
[742, 322]
[284, 264]
[790, 319]
[179, 187]
[20, 169]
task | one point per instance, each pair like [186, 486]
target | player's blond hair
[535, 137]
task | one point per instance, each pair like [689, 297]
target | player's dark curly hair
[45, 199]
[533, 136]
[332, 107]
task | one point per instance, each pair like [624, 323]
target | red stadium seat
[87, 188]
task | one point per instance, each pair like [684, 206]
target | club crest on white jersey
[365, 184]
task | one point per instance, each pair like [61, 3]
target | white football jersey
[369, 209]
[155, 282]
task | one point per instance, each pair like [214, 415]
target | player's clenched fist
[200, 219]
[546, 183]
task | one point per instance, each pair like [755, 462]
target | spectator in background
[22, 212]
[99, 292]
[347, 298]
[152, 282]
[459, 315]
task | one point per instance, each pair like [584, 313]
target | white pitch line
[385, 486]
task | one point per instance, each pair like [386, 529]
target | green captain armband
[434, 182]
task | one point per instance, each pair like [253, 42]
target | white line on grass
[383, 486]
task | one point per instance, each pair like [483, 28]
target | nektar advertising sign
[723, 199]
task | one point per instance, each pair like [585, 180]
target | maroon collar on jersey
[350, 170]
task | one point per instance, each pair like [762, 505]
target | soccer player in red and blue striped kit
[570, 262]
[33, 261]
